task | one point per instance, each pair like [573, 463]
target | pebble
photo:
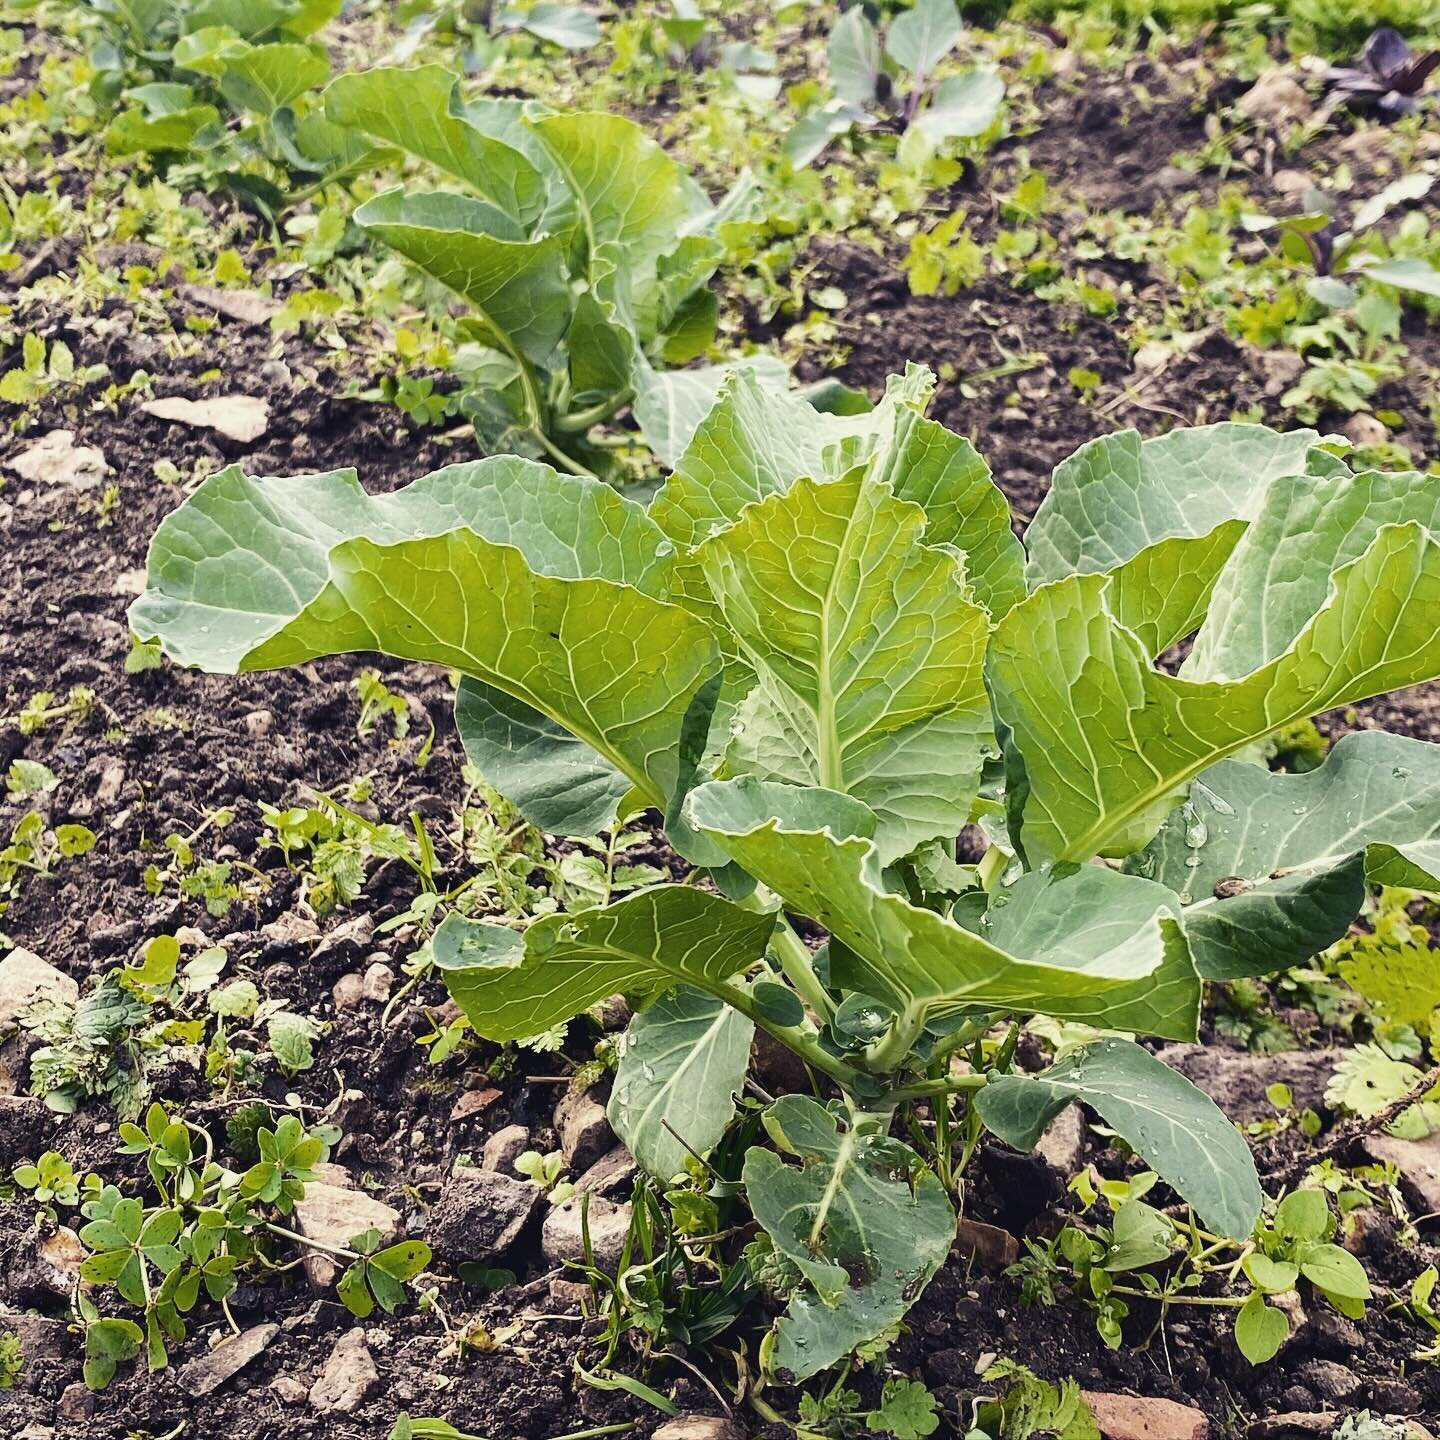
[480, 1214]
[609, 1173]
[987, 1245]
[289, 1390]
[76, 1403]
[348, 991]
[378, 982]
[699, 1427]
[348, 1376]
[211, 1370]
[258, 724]
[561, 1237]
[1139, 1417]
[1276, 99]
[333, 1212]
[585, 1133]
[1419, 1164]
[504, 1148]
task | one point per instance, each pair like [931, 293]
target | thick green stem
[800, 1040]
[579, 421]
[955, 1085]
[799, 967]
[893, 1048]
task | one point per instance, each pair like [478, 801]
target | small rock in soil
[561, 1238]
[1364, 429]
[241, 418]
[1330, 1380]
[289, 1390]
[333, 1213]
[55, 459]
[348, 1377]
[291, 928]
[40, 1337]
[1062, 1146]
[247, 306]
[504, 1148]
[76, 1403]
[611, 1171]
[52, 1267]
[474, 1102]
[699, 1427]
[584, 1131]
[989, 1246]
[210, 1371]
[378, 982]
[24, 977]
[1138, 1417]
[1418, 1162]
[569, 1294]
[258, 723]
[1276, 99]
[480, 1214]
[348, 991]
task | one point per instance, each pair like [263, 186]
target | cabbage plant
[821, 652]
[583, 251]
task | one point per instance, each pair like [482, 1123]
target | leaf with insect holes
[861, 1218]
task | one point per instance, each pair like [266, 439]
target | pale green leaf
[682, 1063]
[868, 655]
[1088, 945]
[920, 37]
[513, 985]
[496, 568]
[265, 77]
[962, 105]
[419, 109]
[854, 57]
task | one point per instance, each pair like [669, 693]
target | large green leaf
[1371, 813]
[1174, 1127]
[513, 985]
[920, 37]
[633, 199]
[497, 568]
[862, 1219]
[682, 1063]
[1087, 944]
[670, 404]
[1162, 515]
[519, 287]
[758, 440]
[868, 654]
[1326, 600]
[419, 109]
[853, 52]
[265, 77]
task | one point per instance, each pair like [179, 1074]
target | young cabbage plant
[584, 250]
[893, 82]
[232, 94]
[821, 652]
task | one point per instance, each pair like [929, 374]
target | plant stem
[802, 1042]
[991, 868]
[578, 421]
[566, 462]
[799, 967]
[955, 1085]
[1227, 1302]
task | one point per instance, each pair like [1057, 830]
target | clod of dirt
[480, 1214]
[247, 306]
[333, 1211]
[584, 1131]
[1365, 429]
[1419, 1164]
[699, 1427]
[1276, 99]
[55, 459]
[241, 418]
[987, 1245]
[349, 1375]
[504, 1148]
[1139, 1417]
[211, 1370]
[561, 1238]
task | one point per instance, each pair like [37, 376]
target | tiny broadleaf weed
[819, 653]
